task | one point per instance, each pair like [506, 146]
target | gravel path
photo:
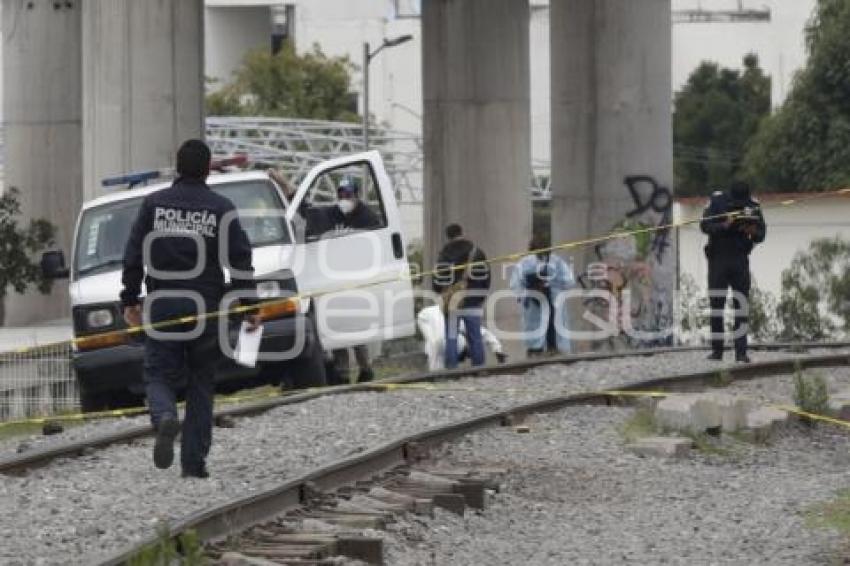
[98, 503]
[575, 496]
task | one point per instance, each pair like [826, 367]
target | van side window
[323, 213]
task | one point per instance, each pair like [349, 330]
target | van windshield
[104, 229]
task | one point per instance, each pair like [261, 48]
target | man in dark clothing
[350, 213]
[176, 237]
[734, 224]
[470, 284]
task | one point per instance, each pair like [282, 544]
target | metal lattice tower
[295, 146]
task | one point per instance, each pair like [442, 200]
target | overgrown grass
[19, 429]
[833, 514]
[15, 430]
[384, 372]
[810, 393]
[188, 551]
[640, 425]
[723, 379]
[708, 444]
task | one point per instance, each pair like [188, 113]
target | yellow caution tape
[813, 416]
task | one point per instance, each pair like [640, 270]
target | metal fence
[37, 382]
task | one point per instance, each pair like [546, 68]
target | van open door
[355, 265]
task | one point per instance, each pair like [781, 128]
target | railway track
[393, 461]
[40, 456]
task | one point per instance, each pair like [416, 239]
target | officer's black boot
[195, 471]
[366, 374]
[163, 446]
[716, 355]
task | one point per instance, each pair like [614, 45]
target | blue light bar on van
[131, 178]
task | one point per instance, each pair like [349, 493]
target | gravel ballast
[68, 511]
[573, 495]
[628, 369]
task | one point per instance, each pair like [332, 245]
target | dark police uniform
[187, 207]
[325, 219]
[476, 279]
[728, 253]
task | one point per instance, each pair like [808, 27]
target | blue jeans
[474, 343]
[167, 363]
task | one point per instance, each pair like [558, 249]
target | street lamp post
[367, 58]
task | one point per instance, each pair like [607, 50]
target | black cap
[193, 159]
[739, 190]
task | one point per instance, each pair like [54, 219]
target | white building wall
[341, 28]
[232, 31]
[790, 229]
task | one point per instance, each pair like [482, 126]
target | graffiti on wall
[638, 270]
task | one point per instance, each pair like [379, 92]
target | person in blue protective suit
[734, 224]
[537, 280]
[176, 237]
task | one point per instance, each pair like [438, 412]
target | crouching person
[432, 326]
[537, 280]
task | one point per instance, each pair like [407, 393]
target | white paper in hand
[248, 345]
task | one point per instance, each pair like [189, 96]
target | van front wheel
[308, 370]
[93, 402]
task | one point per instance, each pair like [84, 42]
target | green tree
[288, 85]
[716, 114]
[805, 145]
[815, 288]
[17, 245]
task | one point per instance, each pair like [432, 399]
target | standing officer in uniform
[177, 231]
[734, 224]
[349, 213]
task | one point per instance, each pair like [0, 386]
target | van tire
[93, 402]
[308, 370]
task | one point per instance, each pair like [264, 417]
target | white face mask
[346, 205]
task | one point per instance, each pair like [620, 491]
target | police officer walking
[176, 237]
[734, 224]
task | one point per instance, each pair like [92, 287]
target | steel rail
[239, 514]
[36, 457]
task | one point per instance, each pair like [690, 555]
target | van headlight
[99, 318]
[268, 290]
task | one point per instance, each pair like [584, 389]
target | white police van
[352, 285]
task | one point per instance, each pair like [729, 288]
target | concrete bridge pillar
[143, 84]
[612, 148]
[42, 129]
[477, 127]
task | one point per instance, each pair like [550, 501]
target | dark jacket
[323, 219]
[726, 241]
[459, 252]
[187, 207]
